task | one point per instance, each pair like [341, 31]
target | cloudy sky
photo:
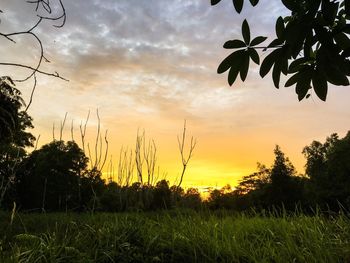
[149, 65]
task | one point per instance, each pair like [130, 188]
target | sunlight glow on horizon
[150, 65]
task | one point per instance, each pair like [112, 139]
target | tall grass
[175, 236]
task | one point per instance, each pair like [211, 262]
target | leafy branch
[312, 45]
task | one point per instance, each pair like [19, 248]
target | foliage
[55, 177]
[14, 122]
[312, 45]
[328, 166]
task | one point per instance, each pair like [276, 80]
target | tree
[254, 181]
[14, 122]
[55, 177]
[328, 166]
[312, 45]
[285, 188]
[275, 186]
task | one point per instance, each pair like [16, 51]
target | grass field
[175, 236]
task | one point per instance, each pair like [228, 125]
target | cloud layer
[151, 64]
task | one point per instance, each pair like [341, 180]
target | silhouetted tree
[51, 177]
[312, 44]
[162, 195]
[254, 181]
[286, 188]
[328, 166]
[14, 122]
[191, 199]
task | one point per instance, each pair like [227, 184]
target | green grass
[173, 236]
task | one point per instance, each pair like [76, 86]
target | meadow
[173, 236]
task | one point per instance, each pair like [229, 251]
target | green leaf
[297, 64]
[280, 28]
[292, 80]
[238, 4]
[329, 11]
[303, 85]
[234, 44]
[214, 2]
[276, 75]
[347, 8]
[336, 77]
[258, 40]
[320, 85]
[246, 32]
[291, 5]
[244, 66]
[229, 61]
[232, 74]
[342, 40]
[268, 62]
[254, 55]
[235, 66]
[254, 2]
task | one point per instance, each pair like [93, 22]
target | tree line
[57, 177]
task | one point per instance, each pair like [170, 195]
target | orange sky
[149, 65]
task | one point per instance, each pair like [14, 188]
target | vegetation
[312, 45]
[175, 236]
[57, 177]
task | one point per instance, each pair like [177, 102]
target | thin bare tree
[185, 158]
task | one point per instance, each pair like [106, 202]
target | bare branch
[46, 5]
[184, 159]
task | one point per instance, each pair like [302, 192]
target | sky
[150, 65]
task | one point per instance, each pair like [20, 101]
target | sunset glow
[150, 65]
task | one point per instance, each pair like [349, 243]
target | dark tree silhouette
[55, 177]
[328, 166]
[312, 45]
[14, 122]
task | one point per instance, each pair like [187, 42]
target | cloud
[153, 63]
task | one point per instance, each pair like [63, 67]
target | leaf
[303, 85]
[258, 40]
[329, 11]
[276, 75]
[244, 66]
[342, 40]
[238, 4]
[254, 55]
[268, 62]
[320, 85]
[235, 67]
[232, 74]
[276, 42]
[347, 8]
[336, 77]
[280, 28]
[291, 5]
[214, 2]
[230, 61]
[297, 64]
[234, 44]
[292, 80]
[246, 32]
[254, 2]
